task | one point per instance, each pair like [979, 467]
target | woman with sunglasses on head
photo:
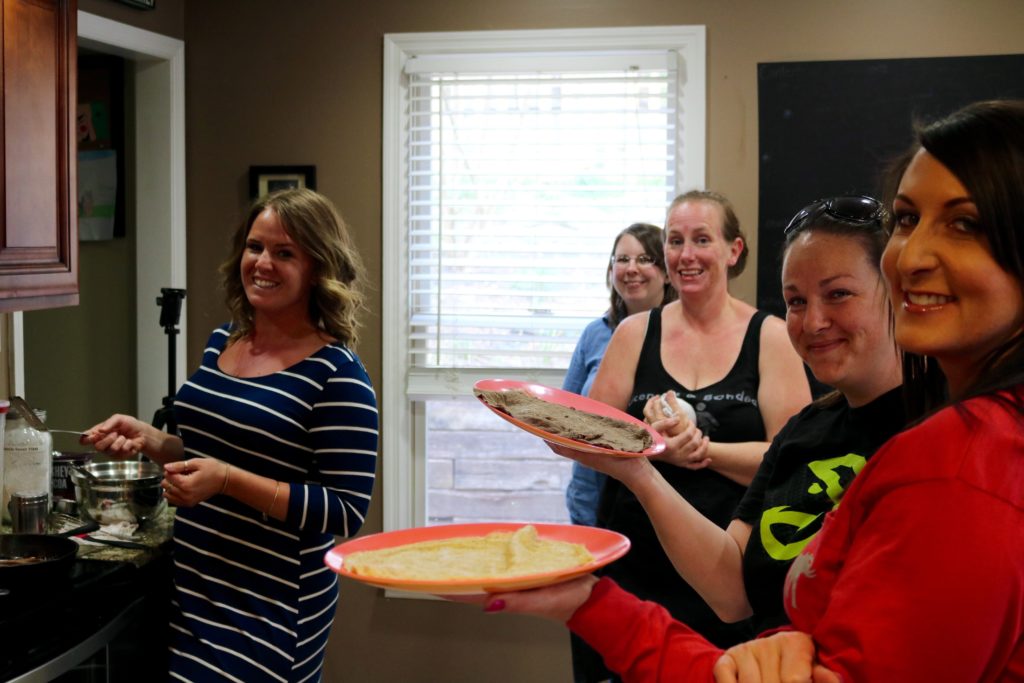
[838, 320]
[919, 574]
[637, 282]
[733, 363]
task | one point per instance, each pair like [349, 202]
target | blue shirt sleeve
[586, 358]
[344, 431]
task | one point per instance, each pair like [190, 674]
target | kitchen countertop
[155, 534]
[114, 598]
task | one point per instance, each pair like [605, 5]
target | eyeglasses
[642, 260]
[854, 209]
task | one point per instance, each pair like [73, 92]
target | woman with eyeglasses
[732, 363]
[637, 282]
[919, 574]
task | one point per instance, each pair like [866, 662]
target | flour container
[28, 461]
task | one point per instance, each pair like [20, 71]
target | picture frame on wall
[139, 4]
[266, 179]
[100, 140]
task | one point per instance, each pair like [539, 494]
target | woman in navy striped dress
[276, 455]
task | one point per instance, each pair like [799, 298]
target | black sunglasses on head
[854, 208]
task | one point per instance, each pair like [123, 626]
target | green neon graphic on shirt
[827, 472]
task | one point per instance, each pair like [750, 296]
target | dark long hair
[652, 238]
[983, 146]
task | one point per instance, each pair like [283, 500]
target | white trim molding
[403, 471]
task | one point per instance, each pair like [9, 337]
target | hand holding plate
[626, 470]
[573, 401]
[558, 602]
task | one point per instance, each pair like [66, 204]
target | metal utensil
[27, 414]
[86, 473]
[117, 543]
[30, 416]
[64, 431]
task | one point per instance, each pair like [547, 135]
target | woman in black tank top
[734, 364]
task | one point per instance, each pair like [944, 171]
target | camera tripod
[170, 314]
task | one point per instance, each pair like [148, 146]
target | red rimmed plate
[606, 546]
[569, 400]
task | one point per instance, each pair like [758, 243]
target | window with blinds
[521, 170]
[511, 159]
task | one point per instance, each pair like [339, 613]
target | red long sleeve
[919, 574]
[640, 640]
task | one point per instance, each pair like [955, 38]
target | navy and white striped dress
[253, 598]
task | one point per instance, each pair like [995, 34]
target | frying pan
[54, 557]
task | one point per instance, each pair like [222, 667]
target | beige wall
[300, 83]
[167, 18]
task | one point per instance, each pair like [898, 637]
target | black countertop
[107, 589]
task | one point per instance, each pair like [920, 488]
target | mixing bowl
[121, 491]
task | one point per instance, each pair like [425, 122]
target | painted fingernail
[495, 606]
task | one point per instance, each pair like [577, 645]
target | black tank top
[727, 412]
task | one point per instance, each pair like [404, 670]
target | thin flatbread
[498, 555]
[579, 425]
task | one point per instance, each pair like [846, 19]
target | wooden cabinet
[38, 188]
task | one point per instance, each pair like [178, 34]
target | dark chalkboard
[829, 128]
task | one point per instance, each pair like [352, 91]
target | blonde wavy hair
[312, 221]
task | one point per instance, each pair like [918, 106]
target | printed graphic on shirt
[783, 529]
[802, 566]
[701, 402]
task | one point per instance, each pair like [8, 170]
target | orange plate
[569, 400]
[606, 546]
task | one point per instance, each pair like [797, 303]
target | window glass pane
[518, 183]
[480, 468]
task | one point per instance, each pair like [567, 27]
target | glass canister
[28, 462]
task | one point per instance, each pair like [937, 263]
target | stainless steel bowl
[124, 490]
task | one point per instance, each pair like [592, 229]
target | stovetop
[39, 622]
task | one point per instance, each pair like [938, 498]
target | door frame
[159, 71]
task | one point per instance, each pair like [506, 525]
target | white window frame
[403, 461]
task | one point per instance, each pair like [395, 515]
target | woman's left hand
[685, 445]
[558, 602]
[686, 448]
[784, 657]
[189, 482]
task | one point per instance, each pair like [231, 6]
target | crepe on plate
[497, 555]
[579, 425]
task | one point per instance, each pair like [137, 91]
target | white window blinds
[520, 170]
